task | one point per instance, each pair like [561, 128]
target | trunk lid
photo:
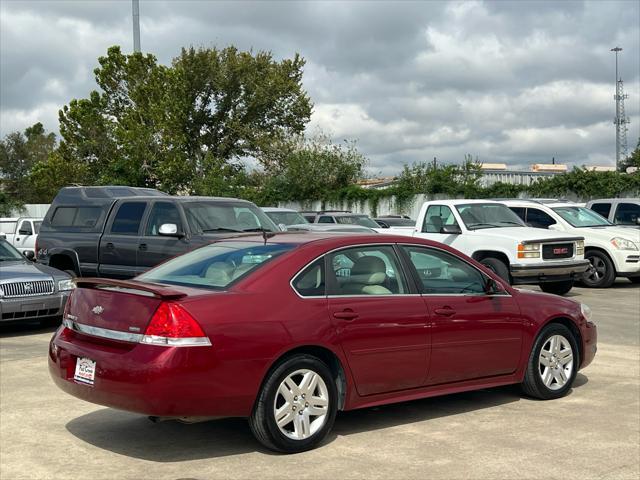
[119, 305]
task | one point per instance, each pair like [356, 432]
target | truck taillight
[171, 325]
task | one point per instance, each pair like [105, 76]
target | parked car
[621, 211]
[612, 250]
[329, 228]
[284, 217]
[120, 232]
[21, 232]
[29, 291]
[496, 237]
[395, 221]
[345, 218]
[290, 330]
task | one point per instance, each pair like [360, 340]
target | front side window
[311, 281]
[161, 213]
[436, 217]
[219, 217]
[539, 219]
[25, 228]
[477, 216]
[581, 217]
[127, 220]
[627, 214]
[602, 208]
[373, 270]
[215, 266]
[441, 273]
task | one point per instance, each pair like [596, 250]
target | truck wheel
[603, 273]
[497, 266]
[557, 288]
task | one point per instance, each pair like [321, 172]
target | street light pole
[136, 25]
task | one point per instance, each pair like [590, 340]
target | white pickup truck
[496, 237]
[21, 232]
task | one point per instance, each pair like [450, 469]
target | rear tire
[497, 266]
[604, 274]
[296, 406]
[557, 288]
[553, 363]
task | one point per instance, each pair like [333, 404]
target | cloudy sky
[517, 82]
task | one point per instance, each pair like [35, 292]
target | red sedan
[290, 329]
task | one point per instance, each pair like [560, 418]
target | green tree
[632, 160]
[19, 153]
[171, 126]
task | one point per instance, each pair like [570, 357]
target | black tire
[262, 420]
[557, 288]
[605, 273]
[498, 267]
[634, 279]
[533, 384]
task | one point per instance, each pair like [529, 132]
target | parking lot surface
[592, 433]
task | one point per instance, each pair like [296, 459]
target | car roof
[278, 209]
[533, 203]
[462, 201]
[632, 199]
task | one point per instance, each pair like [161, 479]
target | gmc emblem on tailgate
[560, 251]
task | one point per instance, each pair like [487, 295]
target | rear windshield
[215, 266]
[76, 216]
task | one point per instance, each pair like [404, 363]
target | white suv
[612, 250]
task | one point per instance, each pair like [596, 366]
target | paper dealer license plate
[85, 371]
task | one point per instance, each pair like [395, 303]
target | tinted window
[539, 219]
[215, 266]
[127, 220]
[161, 213]
[442, 273]
[371, 270]
[602, 208]
[520, 211]
[310, 282]
[76, 216]
[437, 216]
[627, 214]
[325, 219]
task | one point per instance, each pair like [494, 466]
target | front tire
[498, 267]
[296, 406]
[553, 363]
[603, 273]
[557, 288]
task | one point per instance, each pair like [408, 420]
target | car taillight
[67, 306]
[171, 325]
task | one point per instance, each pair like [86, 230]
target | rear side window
[539, 219]
[75, 216]
[627, 214]
[127, 220]
[520, 211]
[311, 281]
[602, 208]
[215, 266]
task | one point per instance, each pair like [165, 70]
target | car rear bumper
[33, 308]
[549, 272]
[148, 379]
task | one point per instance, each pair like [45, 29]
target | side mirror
[169, 230]
[29, 255]
[282, 227]
[451, 229]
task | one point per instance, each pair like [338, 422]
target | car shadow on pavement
[31, 328]
[171, 441]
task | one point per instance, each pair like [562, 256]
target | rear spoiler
[130, 286]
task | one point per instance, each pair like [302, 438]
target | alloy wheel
[301, 404]
[598, 271]
[555, 362]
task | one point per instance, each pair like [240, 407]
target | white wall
[38, 210]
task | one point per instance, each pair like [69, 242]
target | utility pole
[621, 119]
[136, 25]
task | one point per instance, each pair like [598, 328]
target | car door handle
[142, 246]
[346, 314]
[444, 311]
[109, 246]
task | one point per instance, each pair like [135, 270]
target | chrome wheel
[555, 362]
[301, 404]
